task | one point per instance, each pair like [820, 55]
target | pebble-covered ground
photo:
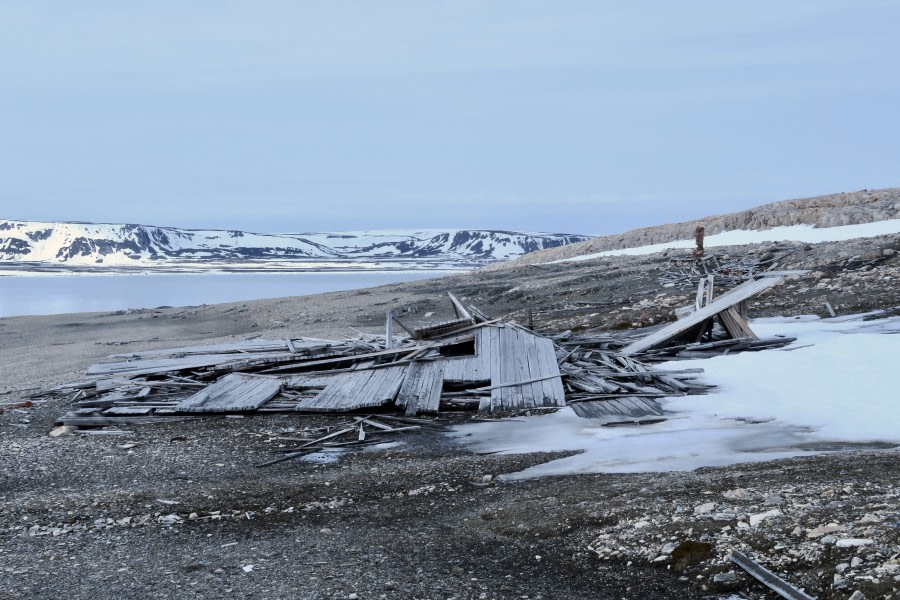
[179, 510]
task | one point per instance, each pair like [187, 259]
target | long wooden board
[234, 392]
[726, 300]
[356, 389]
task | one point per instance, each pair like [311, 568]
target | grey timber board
[390, 384]
[454, 368]
[554, 393]
[430, 400]
[166, 365]
[234, 392]
[231, 347]
[640, 407]
[518, 358]
[309, 381]
[340, 387]
[735, 324]
[533, 392]
[494, 342]
[411, 384]
[421, 389]
[356, 389]
[511, 396]
[726, 300]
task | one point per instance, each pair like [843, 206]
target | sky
[567, 116]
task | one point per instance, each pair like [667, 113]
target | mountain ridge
[83, 244]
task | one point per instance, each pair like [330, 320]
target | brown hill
[833, 210]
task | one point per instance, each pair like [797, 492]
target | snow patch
[793, 233]
[837, 384]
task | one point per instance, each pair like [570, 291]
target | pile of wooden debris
[469, 363]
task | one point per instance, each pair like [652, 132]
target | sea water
[54, 294]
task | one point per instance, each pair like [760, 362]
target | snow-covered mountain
[94, 244]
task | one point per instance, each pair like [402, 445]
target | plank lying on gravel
[768, 578]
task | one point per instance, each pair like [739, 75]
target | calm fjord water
[45, 295]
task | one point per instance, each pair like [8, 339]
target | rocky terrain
[832, 210]
[179, 510]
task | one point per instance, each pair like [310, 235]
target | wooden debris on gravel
[472, 363]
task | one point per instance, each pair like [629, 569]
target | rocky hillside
[833, 210]
[81, 244]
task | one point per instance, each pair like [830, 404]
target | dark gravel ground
[179, 510]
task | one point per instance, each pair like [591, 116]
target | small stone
[737, 494]
[857, 595]
[828, 540]
[728, 577]
[703, 509]
[841, 567]
[353, 596]
[760, 517]
[870, 518]
[888, 252]
[774, 500]
[855, 562]
[487, 478]
[854, 542]
[822, 530]
[248, 568]
[61, 430]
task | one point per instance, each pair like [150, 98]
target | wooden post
[698, 238]
[389, 334]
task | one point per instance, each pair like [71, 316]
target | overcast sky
[580, 117]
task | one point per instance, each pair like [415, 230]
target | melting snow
[837, 384]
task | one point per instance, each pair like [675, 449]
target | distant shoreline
[22, 269]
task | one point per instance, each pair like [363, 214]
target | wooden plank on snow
[726, 300]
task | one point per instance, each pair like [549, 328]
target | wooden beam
[673, 330]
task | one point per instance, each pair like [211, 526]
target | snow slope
[140, 245]
[767, 405]
[793, 233]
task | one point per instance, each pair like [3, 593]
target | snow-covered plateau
[107, 245]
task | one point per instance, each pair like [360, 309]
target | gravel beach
[179, 510]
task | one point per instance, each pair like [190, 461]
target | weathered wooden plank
[617, 407]
[430, 401]
[233, 392]
[496, 377]
[726, 300]
[533, 393]
[458, 307]
[421, 390]
[736, 325]
[356, 389]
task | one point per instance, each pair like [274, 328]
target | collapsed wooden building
[468, 363]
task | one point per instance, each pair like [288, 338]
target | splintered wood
[470, 363]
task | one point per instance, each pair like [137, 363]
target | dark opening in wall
[463, 348]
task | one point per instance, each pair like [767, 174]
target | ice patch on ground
[837, 384]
